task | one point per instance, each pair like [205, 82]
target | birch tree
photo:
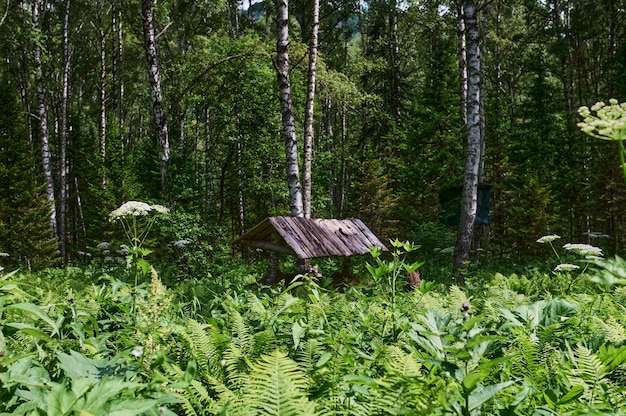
[473, 147]
[309, 112]
[63, 165]
[42, 113]
[160, 120]
[286, 105]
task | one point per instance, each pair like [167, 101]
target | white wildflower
[583, 249]
[181, 243]
[124, 250]
[103, 245]
[447, 250]
[137, 351]
[130, 208]
[4, 254]
[109, 259]
[160, 209]
[566, 267]
[548, 238]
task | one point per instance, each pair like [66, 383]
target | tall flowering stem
[130, 215]
[608, 123]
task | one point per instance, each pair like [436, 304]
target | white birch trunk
[309, 113]
[42, 112]
[286, 104]
[473, 149]
[63, 168]
[462, 58]
[102, 125]
[150, 45]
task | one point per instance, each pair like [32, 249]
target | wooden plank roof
[312, 238]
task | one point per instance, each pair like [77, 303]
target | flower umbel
[608, 123]
[566, 267]
[584, 249]
[548, 238]
[136, 229]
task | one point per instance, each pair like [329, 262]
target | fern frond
[457, 298]
[202, 344]
[241, 336]
[308, 354]
[236, 366]
[276, 386]
[404, 364]
[612, 330]
[588, 367]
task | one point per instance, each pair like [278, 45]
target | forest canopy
[177, 103]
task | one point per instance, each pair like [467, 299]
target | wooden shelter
[310, 238]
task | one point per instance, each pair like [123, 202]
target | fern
[276, 386]
[588, 371]
[457, 298]
[611, 329]
[203, 344]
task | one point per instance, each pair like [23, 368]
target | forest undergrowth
[108, 339]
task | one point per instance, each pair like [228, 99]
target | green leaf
[323, 359]
[574, 393]
[143, 265]
[481, 395]
[60, 401]
[298, 331]
[551, 398]
[357, 379]
[37, 312]
[76, 366]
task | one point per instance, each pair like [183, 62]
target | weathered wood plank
[312, 238]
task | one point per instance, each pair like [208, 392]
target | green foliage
[25, 233]
[104, 346]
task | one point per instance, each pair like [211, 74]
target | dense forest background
[78, 135]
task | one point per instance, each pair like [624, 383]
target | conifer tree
[24, 210]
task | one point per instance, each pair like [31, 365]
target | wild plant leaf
[37, 312]
[573, 394]
[134, 407]
[29, 330]
[484, 394]
[612, 356]
[298, 330]
[60, 401]
[76, 366]
[96, 399]
[324, 358]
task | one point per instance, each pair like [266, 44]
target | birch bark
[473, 149]
[309, 113]
[63, 167]
[160, 120]
[42, 112]
[286, 104]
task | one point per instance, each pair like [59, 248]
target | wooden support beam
[266, 245]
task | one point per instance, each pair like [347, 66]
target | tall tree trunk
[286, 104]
[160, 120]
[63, 168]
[473, 153]
[462, 45]
[241, 205]
[394, 62]
[42, 112]
[117, 82]
[309, 113]
[102, 125]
